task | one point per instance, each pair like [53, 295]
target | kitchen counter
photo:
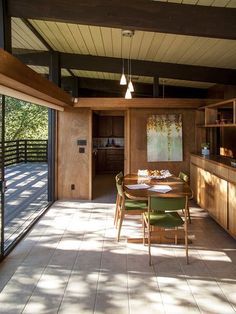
[218, 160]
[111, 147]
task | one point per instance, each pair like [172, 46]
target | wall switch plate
[82, 142]
[72, 187]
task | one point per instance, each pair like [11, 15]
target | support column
[55, 77]
[5, 27]
[156, 87]
[75, 91]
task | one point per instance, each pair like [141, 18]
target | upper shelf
[221, 114]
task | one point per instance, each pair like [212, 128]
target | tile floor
[70, 262]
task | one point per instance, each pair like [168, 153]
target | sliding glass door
[2, 106]
[23, 168]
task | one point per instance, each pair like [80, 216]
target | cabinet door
[118, 126]
[232, 208]
[221, 200]
[214, 196]
[105, 126]
[194, 183]
[101, 161]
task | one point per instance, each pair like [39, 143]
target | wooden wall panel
[138, 145]
[74, 167]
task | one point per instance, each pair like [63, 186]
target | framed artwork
[164, 138]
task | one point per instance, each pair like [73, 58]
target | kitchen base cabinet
[110, 160]
[214, 192]
[232, 209]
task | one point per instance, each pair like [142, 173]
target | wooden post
[5, 27]
[55, 77]
[156, 87]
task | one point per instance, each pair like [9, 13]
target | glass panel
[1, 175]
[26, 167]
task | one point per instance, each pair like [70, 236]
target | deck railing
[25, 151]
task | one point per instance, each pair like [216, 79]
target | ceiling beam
[139, 67]
[94, 86]
[155, 16]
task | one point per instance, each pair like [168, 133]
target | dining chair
[126, 206]
[184, 177]
[162, 217]
[119, 180]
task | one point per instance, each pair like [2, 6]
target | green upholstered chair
[184, 177]
[162, 217]
[125, 206]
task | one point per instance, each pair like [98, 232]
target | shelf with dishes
[221, 114]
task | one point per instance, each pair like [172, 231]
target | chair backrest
[119, 183]
[159, 203]
[119, 177]
[184, 177]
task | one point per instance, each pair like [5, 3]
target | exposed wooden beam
[103, 87]
[139, 67]
[17, 77]
[121, 103]
[195, 20]
[37, 34]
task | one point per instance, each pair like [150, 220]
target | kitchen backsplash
[103, 141]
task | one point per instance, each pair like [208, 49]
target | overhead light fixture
[123, 78]
[123, 81]
[128, 94]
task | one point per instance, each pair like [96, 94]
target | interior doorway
[108, 154]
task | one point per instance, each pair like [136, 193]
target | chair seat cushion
[165, 219]
[134, 205]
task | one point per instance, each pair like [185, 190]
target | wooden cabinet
[111, 126]
[118, 126]
[212, 191]
[115, 160]
[105, 126]
[110, 160]
[232, 209]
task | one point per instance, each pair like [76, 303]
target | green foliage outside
[24, 120]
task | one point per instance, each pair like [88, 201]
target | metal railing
[24, 151]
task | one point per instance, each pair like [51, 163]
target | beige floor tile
[71, 262]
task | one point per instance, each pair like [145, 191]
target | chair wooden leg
[186, 241]
[116, 212]
[143, 223]
[176, 236]
[189, 217]
[149, 246]
[120, 225]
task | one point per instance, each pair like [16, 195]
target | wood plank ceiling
[148, 46]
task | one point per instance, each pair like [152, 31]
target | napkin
[160, 188]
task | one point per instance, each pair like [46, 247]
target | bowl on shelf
[233, 163]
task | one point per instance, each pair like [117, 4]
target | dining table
[133, 184]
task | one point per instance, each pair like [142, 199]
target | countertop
[110, 147]
[217, 160]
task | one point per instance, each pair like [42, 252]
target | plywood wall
[138, 140]
[74, 167]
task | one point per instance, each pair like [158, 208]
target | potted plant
[205, 149]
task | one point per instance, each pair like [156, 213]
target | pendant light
[128, 94]
[123, 78]
[130, 85]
